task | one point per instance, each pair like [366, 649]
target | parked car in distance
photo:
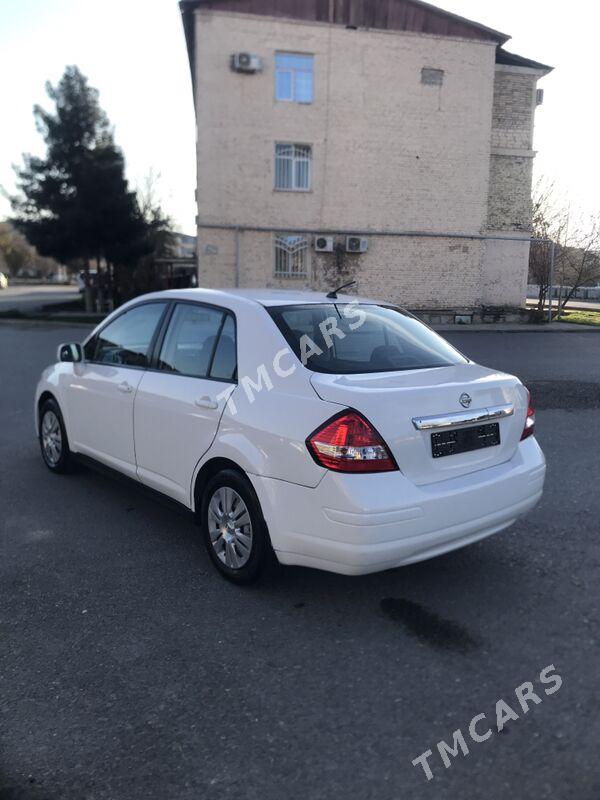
[3, 281]
[93, 277]
[319, 430]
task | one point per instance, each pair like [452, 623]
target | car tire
[234, 529]
[54, 443]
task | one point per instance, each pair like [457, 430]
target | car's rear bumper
[356, 524]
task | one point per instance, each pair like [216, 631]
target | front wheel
[235, 532]
[53, 438]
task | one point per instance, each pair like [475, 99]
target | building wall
[505, 264]
[509, 207]
[512, 154]
[408, 270]
[388, 151]
[514, 108]
[389, 154]
[504, 272]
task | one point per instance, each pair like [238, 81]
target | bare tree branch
[577, 247]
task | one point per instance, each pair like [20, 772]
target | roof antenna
[334, 292]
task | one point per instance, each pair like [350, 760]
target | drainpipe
[237, 257]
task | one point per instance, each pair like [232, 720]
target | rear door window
[199, 343]
[224, 365]
[190, 341]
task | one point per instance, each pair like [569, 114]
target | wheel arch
[45, 395]
[206, 472]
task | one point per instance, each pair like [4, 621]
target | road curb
[61, 323]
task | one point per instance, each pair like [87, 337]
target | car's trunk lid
[391, 400]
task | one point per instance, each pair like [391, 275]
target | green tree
[75, 203]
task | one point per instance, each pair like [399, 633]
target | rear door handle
[125, 387]
[206, 402]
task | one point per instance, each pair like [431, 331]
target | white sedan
[318, 430]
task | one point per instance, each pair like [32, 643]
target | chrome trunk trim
[463, 418]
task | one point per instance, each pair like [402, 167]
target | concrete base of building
[483, 315]
[485, 277]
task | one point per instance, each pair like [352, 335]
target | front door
[103, 386]
[177, 405]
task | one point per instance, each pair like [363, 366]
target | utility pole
[551, 281]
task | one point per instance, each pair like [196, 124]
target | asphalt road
[29, 297]
[130, 669]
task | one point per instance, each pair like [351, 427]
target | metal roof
[402, 15]
[406, 15]
[513, 60]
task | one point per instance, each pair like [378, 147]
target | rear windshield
[357, 338]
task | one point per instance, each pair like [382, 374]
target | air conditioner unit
[324, 244]
[246, 62]
[539, 97]
[356, 244]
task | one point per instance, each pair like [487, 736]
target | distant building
[385, 141]
[178, 264]
[181, 245]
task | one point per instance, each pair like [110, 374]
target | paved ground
[28, 298]
[584, 305]
[131, 670]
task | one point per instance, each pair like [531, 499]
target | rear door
[102, 389]
[178, 404]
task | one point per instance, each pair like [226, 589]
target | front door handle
[125, 387]
[206, 402]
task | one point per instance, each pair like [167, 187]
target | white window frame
[285, 251]
[293, 71]
[294, 159]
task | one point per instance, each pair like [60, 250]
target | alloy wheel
[51, 438]
[230, 527]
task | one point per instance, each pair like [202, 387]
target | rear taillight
[529, 428]
[349, 443]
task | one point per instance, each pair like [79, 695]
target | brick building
[385, 141]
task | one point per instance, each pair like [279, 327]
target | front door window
[126, 341]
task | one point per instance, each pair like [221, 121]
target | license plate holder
[464, 440]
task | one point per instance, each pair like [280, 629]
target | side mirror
[70, 352]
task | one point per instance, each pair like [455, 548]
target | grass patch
[581, 318]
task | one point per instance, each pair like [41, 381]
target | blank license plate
[451, 443]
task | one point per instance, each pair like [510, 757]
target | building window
[432, 77]
[292, 167]
[291, 256]
[293, 78]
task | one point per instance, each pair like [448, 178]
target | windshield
[355, 338]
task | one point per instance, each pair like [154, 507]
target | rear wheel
[53, 438]
[235, 533]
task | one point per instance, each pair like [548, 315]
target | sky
[133, 52]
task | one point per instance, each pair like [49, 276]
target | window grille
[293, 167]
[291, 256]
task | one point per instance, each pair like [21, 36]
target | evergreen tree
[75, 202]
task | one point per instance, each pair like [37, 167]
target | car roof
[264, 297]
